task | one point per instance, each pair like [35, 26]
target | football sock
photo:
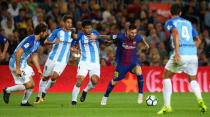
[42, 85]
[50, 83]
[196, 89]
[75, 93]
[167, 91]
[15, 88]
[89, 86]
[140, 83]
[109, 89]
[27, 94]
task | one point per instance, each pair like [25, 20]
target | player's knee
[95, 79]
[45, 78]
[55, 76]
[80, 79]
[114, 82]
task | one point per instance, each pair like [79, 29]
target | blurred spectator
[13, 9]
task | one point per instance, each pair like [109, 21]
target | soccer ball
[151, 100]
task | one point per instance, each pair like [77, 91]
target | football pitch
[118, 105]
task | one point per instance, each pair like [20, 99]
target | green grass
[118, 105]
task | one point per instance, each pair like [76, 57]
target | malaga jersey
[89, 49]
[60, 51]
[29, 45]
[186, 33]
[126, 49]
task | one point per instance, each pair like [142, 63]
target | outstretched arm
[94, 37]
[47, 42]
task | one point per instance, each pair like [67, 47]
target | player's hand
[177, 58]
[56, 41]
[2, 55]
[147, 46]
[18, 72]
[40, 74]
[92, 37]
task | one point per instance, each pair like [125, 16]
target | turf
[118, 105]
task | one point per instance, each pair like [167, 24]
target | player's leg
[48, 70]
[119, 74]
[138, 72]
[92, 83]
[94, 75]
[167, 91]
[197, 92]
[76, 89]
[29, 90]
[191, 70]
[82, 72]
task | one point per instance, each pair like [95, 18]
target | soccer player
[184, 58]
[127, 60]
[21, 71]
[58, 57]
[3, 41]
[89, 61]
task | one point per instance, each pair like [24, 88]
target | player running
[184, 58]
[58, 57]
[126, 58]
[21, 71]
[89, 61]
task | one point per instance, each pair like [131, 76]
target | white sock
[167, 91]
[75, 93]
[42, 85]
[27, 94]
[196, 89]
[49, 85]
[89, 86]
[15, 88]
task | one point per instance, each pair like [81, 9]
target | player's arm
[175, 36]
[35, 60]
[95, 37]
[6, 46]
[73, 34]
[145, 42]
[19, 53]
[52, 38]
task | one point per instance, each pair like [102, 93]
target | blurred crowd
[19, 17]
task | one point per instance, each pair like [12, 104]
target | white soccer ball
[151, 100]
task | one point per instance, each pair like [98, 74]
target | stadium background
[19, 17]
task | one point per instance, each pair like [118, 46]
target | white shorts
[53, 66]
[188, 64]
[85, 67]
[27, 72]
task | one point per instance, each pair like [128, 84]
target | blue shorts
[122, 70]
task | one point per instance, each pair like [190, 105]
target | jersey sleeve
[169, 26]
[138, 38]
[79, 36]
[27, 44]
[2, 39]
[116, 36]
[194, 32]
[53, 35]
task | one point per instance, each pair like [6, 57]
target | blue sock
[109, 89]
[140, 83]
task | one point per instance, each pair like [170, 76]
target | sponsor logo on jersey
[26, 45]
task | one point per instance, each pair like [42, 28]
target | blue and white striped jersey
[60, 51]
[29, 45]
[89, 49]
[186, 33]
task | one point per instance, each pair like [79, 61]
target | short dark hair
[65, 17]
[40, 28]
[132, 27]
[175, 9]
[86, 23]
